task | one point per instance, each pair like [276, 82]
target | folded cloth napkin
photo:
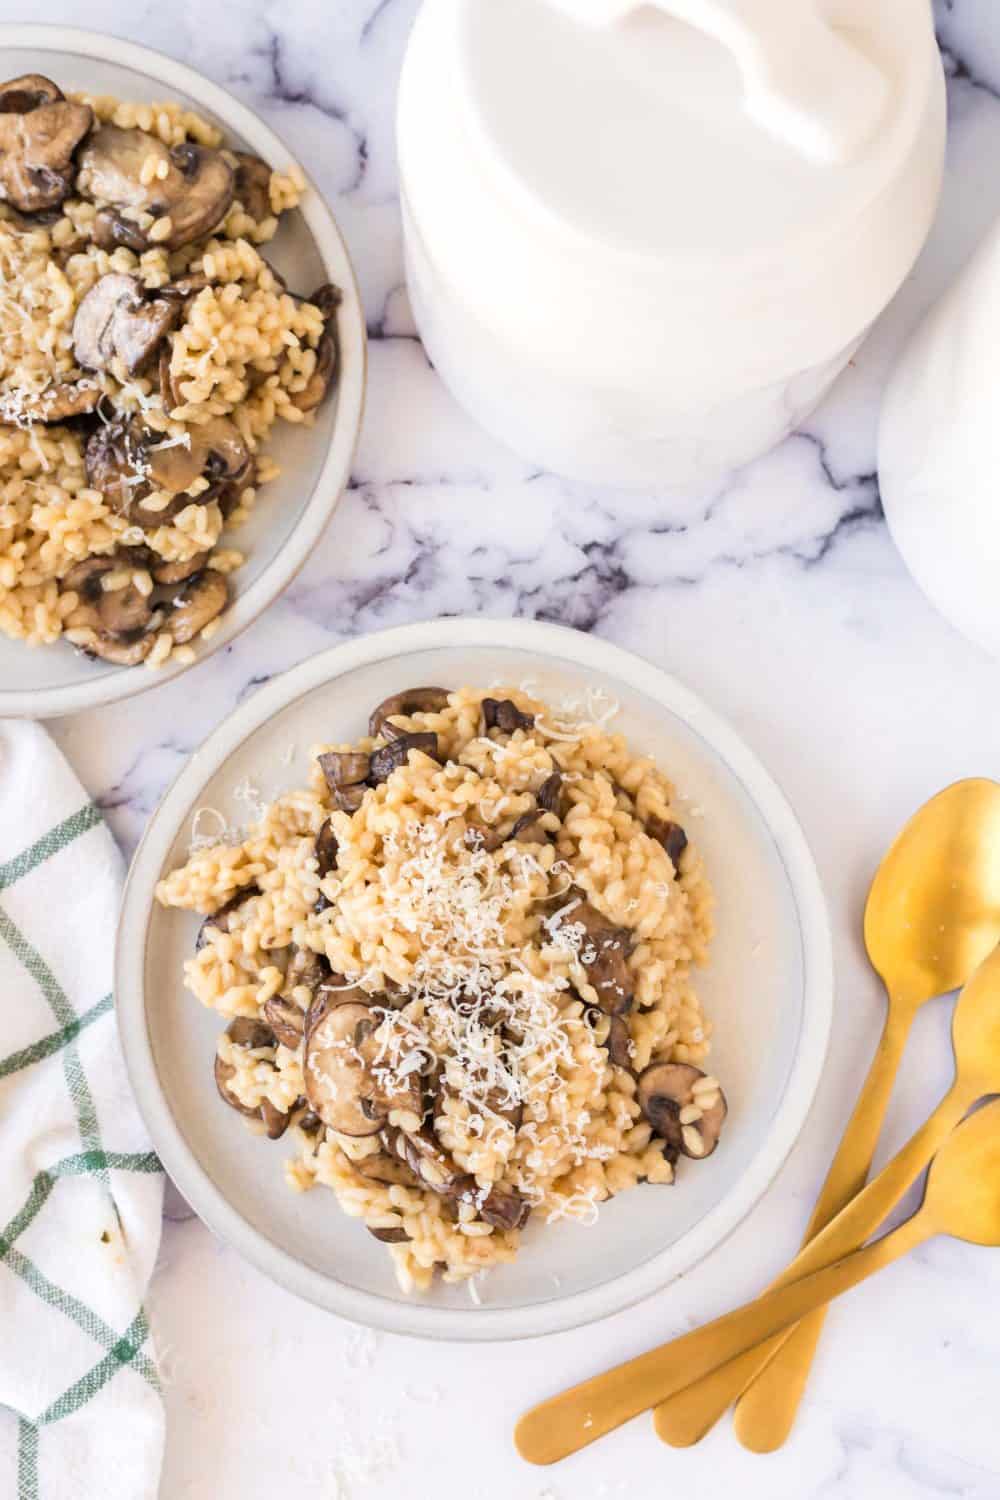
[80, 1189]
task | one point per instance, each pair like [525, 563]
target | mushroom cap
[199, 601]
[397, 752]
[61, 401]
[195, 194]
[39, 132]
[327, 849]
[668, 1088]
[604, 954]
[418, 700]
[670, 835]
[117, 319]
[504, 714]
[252, 184]
[549, 794]
[285, 1019]
[339, 1085]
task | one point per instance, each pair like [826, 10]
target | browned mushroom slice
[687, 1114]
[527, 831]
[389, 1236]
[117, 319]
[419, 700]
[381, 1167]
[397, 753]
[319, 381]
[198, 603]
[220, 920]
[253, 185]
[603, 953]
[503, 714]
[327, 849]
[177, 572]
[327, 298]
[619, 1042]
[339, 1085]
[60, 402]
[308, 968]
[224, 1075]
[111, 229]
[230, 492]
[346, 774]
[39, 132]
[276, 1121]
[286, 1020]
[671, 835]
[504, 1208]
[120, 653]
[18, 96]
[121, 618]
[195, 192]
[549, 794]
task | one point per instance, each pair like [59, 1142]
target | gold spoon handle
[579, 1416]
[851, 1227]
[686, 1417]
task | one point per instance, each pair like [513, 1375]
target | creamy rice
[240, 354]
[490, 1013]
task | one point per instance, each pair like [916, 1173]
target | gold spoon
[933, 914]
[614, 1397]
[962, 1199]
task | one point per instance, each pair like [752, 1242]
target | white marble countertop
[786, 607]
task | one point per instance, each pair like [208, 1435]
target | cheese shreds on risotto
[147, 349]
[457, 972]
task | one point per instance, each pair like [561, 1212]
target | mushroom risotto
[457, 971]
[146, 350]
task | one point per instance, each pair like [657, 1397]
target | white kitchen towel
[80, 1189]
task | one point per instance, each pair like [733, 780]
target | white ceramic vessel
[641, 245]
[939, 450]
[45, 681]
[768, 990]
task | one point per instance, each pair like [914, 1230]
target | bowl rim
[333, 477]
[478, 1323]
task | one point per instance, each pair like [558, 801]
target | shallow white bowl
[291, 513]
[768, 990]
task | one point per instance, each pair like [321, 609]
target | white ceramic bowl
[43, 681]
[768, 990]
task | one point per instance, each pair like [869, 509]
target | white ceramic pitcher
[642, 240]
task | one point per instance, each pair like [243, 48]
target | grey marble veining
[785, 605]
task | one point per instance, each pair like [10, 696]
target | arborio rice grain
[423, 911]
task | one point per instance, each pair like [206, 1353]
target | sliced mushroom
[307, 968]
[604, 954]
[503, 1207]
[671, 835]
[327, 298]
[122, 618]
[419, 700]
[39, 132]
[167, 573]
[247, 1032]
[276, 1121]
[195, 193]
[381, 1167]
[327, 849]
[318, 384]
[286, 1020]
[118, 319]
[669, 1096]
[60, 402]
[253, 185]
[231, 491]
[199, 601]
[397, 752]
[19, 96]
[111, 229]
[527, 831]
[390, 1236]
[346, 774]
[549, 794]
[339, 1085]
[503, 714]
[619, 1042]
[221, 919]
